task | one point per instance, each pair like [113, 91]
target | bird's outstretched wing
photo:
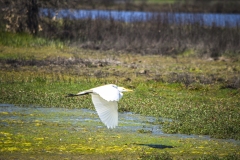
[108, 92]
[107, 110]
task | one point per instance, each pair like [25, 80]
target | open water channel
[206, 19]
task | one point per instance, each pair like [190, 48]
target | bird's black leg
[79, 94]
[71, 95]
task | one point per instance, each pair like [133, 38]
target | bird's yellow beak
[128, 90]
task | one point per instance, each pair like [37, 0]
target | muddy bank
[103, 68]
[55, 61]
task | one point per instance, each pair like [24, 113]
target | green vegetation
[25, 40]
[186, 76]
[201, 96]
[39, 133]
[205, 110]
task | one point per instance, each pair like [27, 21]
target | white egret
[105, 99]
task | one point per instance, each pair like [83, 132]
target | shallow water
[57, 133]
[128, 122]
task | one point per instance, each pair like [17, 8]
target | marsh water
[128, 122]
[60, 133]
[207, 19]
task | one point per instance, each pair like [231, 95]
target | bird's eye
[114, 86]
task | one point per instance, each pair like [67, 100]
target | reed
[157, 36]
[200, 96]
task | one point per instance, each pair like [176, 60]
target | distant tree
[21, 15]
[32, 16]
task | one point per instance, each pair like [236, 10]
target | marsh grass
[26, 40]
[200, 96]
[160, 35]
[58, 133]
[210, 111]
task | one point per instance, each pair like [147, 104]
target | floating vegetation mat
[53, 133]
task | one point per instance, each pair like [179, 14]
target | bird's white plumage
[108, 92]
[107, 110]
[105, 99]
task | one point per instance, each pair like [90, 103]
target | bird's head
[122, 89]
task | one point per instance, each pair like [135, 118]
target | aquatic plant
[185, 95]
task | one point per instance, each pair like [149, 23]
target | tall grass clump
[26, 40]
[161, 35]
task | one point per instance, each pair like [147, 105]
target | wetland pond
[78, 133]
[206, 19]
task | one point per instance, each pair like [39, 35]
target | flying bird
[105, 100]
